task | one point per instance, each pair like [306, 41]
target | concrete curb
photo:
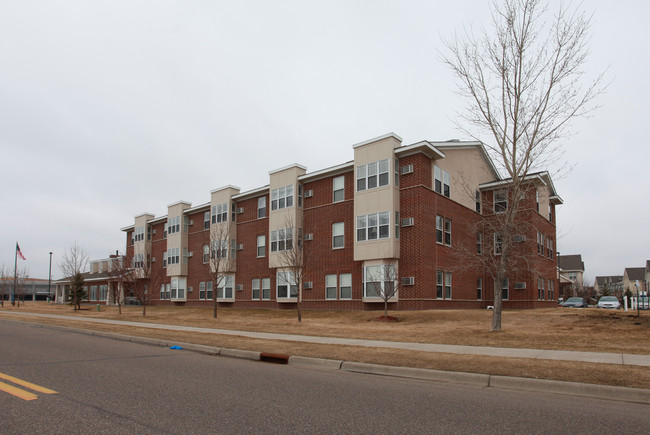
[606, 392]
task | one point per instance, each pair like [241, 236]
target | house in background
[631, 276]
[570, 272]
[100, 283]
[614, 284]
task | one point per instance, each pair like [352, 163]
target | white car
[609, 302]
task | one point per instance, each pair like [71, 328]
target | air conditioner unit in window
[190, 289]
[189, 254]
[240, 247]
[408, 169]
[239, 287]
[153, 259]
[153, 231]
[309, 193]
[408, 280]
[191, 221]
[309, 236]
[240, 210]
[519, 239]
[520, 286]
[407, 222]
[308, 285]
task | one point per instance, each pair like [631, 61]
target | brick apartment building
[424, 209]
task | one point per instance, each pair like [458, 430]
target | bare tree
[21, 285]
[73, 264]
[222, 259]
[147, 277]
[383, 281]
[294, 259]
[523, 82]
[122, 275]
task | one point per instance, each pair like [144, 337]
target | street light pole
[49, 280]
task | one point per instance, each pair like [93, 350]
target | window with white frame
[537, 200]
[540, 243]
[206, 220]
[220, 213]
[477, 195]
[261, 207]
[498, 244]
[286, 285]
[505, 289]
[261, 246]
[206, 254]
[220, 248]
[447, 232]
[103, 292]
[338, 189]
[549, 248]
[551, 290]
[233, 249]
[186, 223]
[373, 226]
[373, 175]
[209, 290]
[92, 295]
[266, 289]
[282, 197]
[397, 224]
[233, 211]
[174, 225]
[138, 234]
[138, 261]
[443, 285]
[479, 288]
[330, 287]
[441, 181]
[500, 201]
[282, 239]
[256, 288]
[162, 292]
[539, 288]
[226, 287]
[396, 172]
[202, 291]
[173, 256]
[479, 242]
[165, 259]
[440, 228]
[550, 213]
[165, 230]
[178, 286]
[345, 286]
[338, 234]
[378, 280]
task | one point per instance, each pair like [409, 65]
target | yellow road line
[25, 395]
[27, 384]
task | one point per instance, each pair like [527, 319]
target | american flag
[19, 252]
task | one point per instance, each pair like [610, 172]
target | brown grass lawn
[557, 328]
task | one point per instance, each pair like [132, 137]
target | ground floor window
[93, 293]
[177, 287]
[226, 287]
[379, 280]
[286, 285]
[505, 286]
[205, 291]
[479, 288]
[443, 285]
[103, 292]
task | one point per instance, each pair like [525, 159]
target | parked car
[575, 303]
[609, 302]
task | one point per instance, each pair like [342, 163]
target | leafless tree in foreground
[21, 285]
[73, 264]
[147, 278]
[524, 82]
[122, 275]
[222, 259]
[294, 259]
[4, 277]
[384, 281]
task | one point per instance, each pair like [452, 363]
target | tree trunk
[299, 305]
[385, 308]
[144, 309]
[215, 305]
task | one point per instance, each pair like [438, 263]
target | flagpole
[13, 293]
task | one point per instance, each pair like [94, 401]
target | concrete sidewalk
[558, 355]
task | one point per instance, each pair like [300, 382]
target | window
[220, 213]
[225, 289]
[498, 244]
[233, 249]
[396, 169]
[373, 226]
[479, 242]
[345, 282]
[500, 201]
[282, 197]
[266, 288]
[479, 288]
[378, 280]
[256, 289]
[186, 223]
[478, 201]
[93, 293]
[261, 246]
[162, 292]
[505, 289]
[448, 232]
[338, 188]
[330, 287]
[168, 291]
[551, 290]
[543, 290]
[233, 212]
[286, 287]
[202, 290]
[103, 292]
[397, 223]
[300, 195]
[372, 175]
[206, 254]
[441, 181]
[539, 288]
[138, 234]
[165, 231]
[282, 239]
[540, 247]
[206, 220]
[573, 276]
[149, 232]
[549, 248]
[173, 256]
[261, 207]
[443, 285]
[174, 225]
[537, 200]
[440, 222]
[209, 294]
[165, 259]
[220, 248]
[178, 288]
[338, 230]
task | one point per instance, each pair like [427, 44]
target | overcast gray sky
[113, 108]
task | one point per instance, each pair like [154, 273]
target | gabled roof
[571, 262]
[635, 273]
[543, 178]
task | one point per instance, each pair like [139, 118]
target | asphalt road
[109, 386]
